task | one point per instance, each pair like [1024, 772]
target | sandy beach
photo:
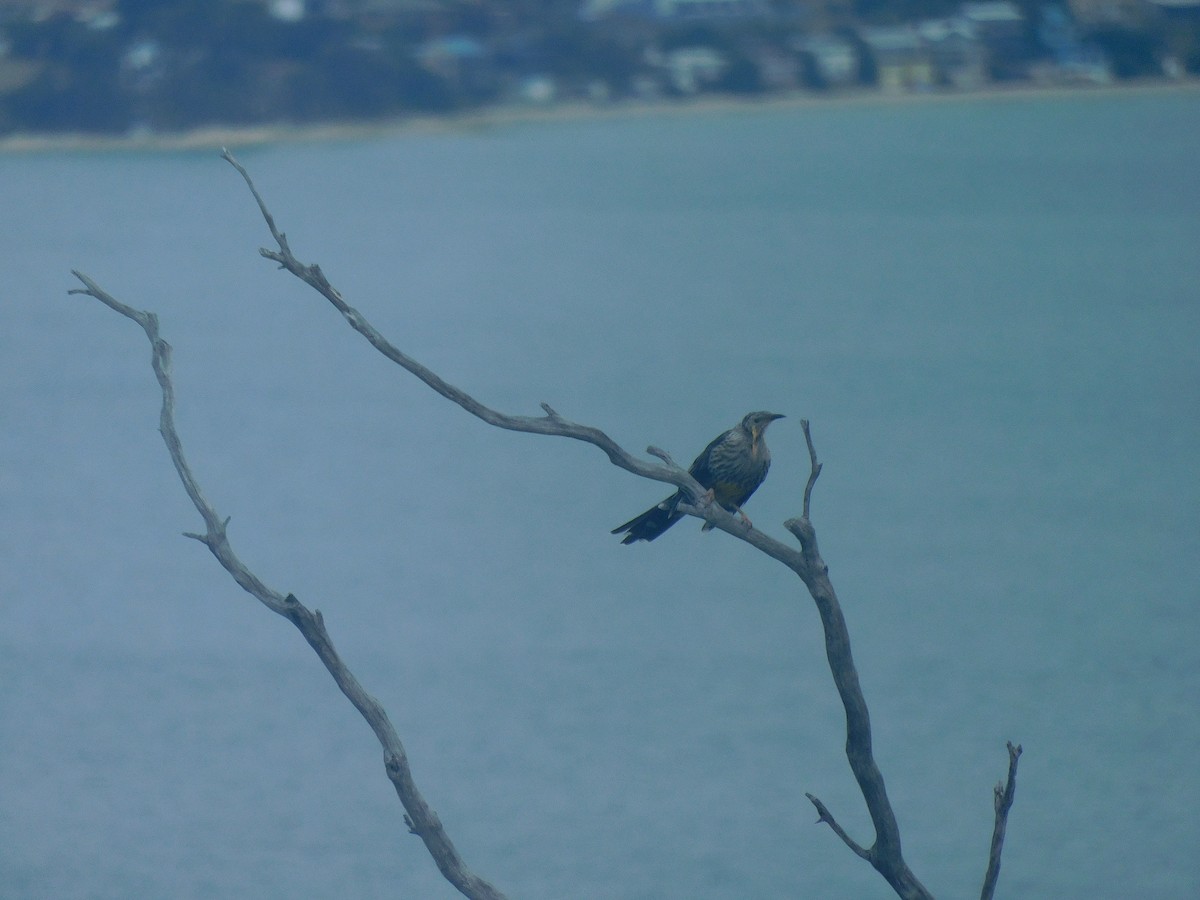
[506, 115]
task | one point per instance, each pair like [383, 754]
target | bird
[731, 467]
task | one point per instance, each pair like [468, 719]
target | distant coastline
[505, 115]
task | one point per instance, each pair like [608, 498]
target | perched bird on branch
[731, 467]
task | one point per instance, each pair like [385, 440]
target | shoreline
[507, 115]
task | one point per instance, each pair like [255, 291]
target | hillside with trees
[137, 66]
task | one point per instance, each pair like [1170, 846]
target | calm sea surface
[990, 312]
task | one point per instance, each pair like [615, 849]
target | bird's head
[756, 423]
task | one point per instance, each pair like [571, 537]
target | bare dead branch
[422, 820]
[1004, 794]
[552, 423]
[885, 853]
[823, 815]
[660, 454]
[814, 468]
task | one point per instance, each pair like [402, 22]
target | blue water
[987, 309]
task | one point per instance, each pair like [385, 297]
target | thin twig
[814, 468]
[823, 815]
[1004, 794]
[659, 453]
[279, 236]
[422, 820]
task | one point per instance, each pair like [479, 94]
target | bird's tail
[651, 523]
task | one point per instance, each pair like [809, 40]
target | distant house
[958, 56]
[902, 59]
[537, 90]
[1005, 33]
[835, 60]
[690, 69]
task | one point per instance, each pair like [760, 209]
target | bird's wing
[762, 476]
[700, 466]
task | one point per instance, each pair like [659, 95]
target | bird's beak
[775, 416]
